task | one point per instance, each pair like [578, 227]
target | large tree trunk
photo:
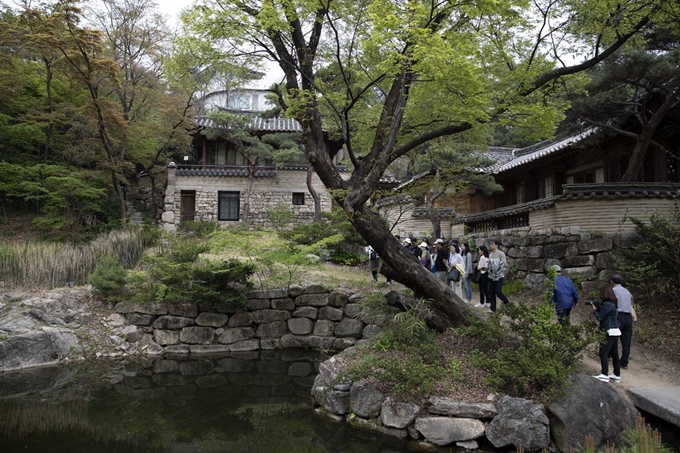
[314, 194]
[644, 139]
[448, 309]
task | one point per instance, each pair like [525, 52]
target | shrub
[178, 273]
[341, 256]
[200, 228]
[307, 234]
[653, 262]
[108, 277]
[643, 439]
[533, 354]
[280, 216]
[421, 364]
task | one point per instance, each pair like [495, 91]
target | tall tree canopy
[388, 76]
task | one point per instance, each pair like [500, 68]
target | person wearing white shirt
[625, 317]
[456, 261]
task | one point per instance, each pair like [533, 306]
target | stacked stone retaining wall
[588, 257]
[311, 317]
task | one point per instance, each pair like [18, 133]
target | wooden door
[188, 205]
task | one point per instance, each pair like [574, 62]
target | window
[548, 187]
[221, 155]
[298, 198]
[540, 189]
[228, 205]
[239, 101]
[519, 193]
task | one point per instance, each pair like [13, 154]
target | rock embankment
[68, 323]
[590, 408]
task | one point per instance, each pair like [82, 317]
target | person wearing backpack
[497, 264]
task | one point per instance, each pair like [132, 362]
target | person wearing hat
[425, 258]
[564, 296]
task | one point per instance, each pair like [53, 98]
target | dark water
[246, 402]
[252, 402]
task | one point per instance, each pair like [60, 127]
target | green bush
[307, 234]
[652, 264]
[421, 365]
[200, 228]
[108, 277]
[280, 216]
[341, 256]
[532, 355]
[178, 273]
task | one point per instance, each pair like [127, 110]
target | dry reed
[34, 265]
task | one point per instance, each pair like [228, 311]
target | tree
[409, 72]
[457, 169]
[639, 88]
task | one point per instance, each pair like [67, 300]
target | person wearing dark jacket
[564, 296]
[440, 260]
[607, 314]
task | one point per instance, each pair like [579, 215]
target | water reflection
[248, 402]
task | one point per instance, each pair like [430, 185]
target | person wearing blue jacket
[564, 296]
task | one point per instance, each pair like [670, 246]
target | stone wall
[501, 421]
[311, 317]
[589, 257]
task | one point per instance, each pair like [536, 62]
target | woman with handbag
[607, 314]
[483, 268]
[455, 270]
[467, 259]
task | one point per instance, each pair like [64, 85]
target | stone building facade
[194, 194]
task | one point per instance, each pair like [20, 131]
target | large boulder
[453, 408]
[590, 407]
[43, 347]
[445, 430]
[365, 400]
[398, 415]
[520, 423]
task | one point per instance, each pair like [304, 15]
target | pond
[240, 402]
[248, 402]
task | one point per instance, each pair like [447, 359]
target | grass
[38, 264]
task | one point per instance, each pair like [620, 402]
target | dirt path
[646, 369]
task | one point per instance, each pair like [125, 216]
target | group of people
[455, 268]
[614, 313]
[453, 265]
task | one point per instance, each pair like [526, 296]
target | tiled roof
[259, 124]
[620, 190]
[507, 211]
[507, 158]
[222, 171]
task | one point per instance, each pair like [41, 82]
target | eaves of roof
[259, 124]
[507, 211]
[523, 156]
[580, 192]
[269, 173]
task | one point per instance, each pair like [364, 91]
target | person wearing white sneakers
[606, 313]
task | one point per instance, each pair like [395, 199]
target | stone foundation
[312, 317]
[588, 257]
